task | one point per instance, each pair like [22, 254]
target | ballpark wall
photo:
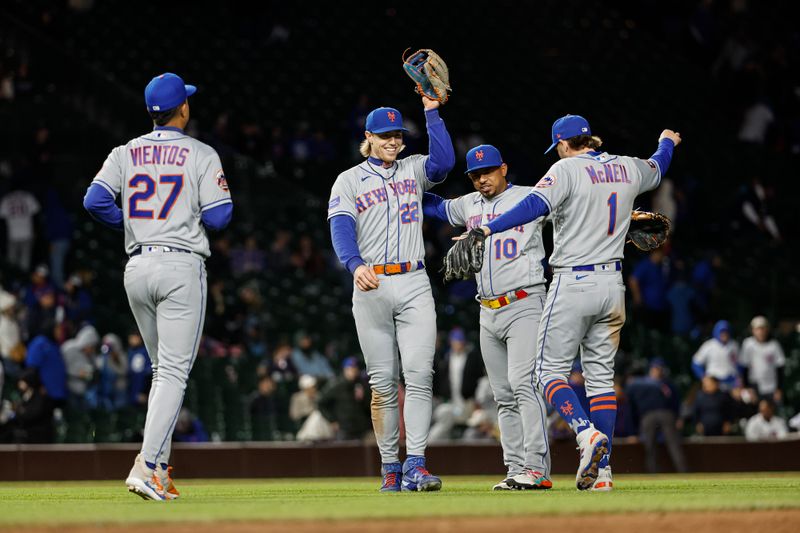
[268, 460]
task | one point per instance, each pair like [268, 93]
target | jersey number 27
[143, 195]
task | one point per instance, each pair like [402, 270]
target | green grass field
[315, 499]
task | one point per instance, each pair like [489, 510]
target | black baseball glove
[429, 72]
[465, 258]
[648, 230]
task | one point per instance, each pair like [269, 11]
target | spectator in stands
[140, 372]
[279, 256]
[265, 410]
[39, 284]
[77, 301]
[18, 209]
[45, 356]
[248, 258]
[58, 232]
[681, 297]
[653, 410]
[718, 357]
[112, 369]
[712, 409]
[763, 361]
[48, 309]
[454, 383]
[10, 334]
[189, 428]
[307, 257]
[280, 368]
[765, 425]
[304, 401]
[648, 284]
[79, 356]
[307, 360]
[32, 419]
[345, 403]
[756, 199]
[704, 282]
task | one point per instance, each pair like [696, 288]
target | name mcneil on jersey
[379, 196]
[611, 173]
[476, 222]
[159, 155]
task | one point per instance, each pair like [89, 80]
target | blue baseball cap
[483, 156]
[166, 92]
[457, 334]
[384, 119]
[567, 127]
[350, 362]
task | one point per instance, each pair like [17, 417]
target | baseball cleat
[143, 481]
[417, 478]
[392, 474]
[593, 445]
[604, 481]
[504, 485]
[531, 480]
[165, 478]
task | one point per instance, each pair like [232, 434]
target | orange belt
[504, 300]
[390, 269]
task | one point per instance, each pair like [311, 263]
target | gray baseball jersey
[512, 259]
[398, 316]
[386, 204]
[590, 199]
[166, 180]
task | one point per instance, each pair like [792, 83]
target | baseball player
[375, 213]
[173, 189]
[511, 293]
[589, 195]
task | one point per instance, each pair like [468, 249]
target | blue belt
[616, 265]
[138, 249]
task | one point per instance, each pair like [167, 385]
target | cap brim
[551, 147]
[190, 90]
[384, 130]
[479, 167]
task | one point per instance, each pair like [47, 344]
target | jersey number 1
[612, 213]
[134, 211]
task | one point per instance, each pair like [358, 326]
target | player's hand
[429, 103]
[365, 278]
[486, 231]
[673, 136]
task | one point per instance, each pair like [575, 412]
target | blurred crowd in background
[279, 359]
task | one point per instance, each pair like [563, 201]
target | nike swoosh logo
[581, 277]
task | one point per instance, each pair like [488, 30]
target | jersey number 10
[173, 180]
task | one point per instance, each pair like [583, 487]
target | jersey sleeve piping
[216, 203]
[337, 213]
[106, 186]
[549, 205]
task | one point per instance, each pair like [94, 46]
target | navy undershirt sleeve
[217, 217]
[345, 244]
[530, 208]
[663, 156]
[434, 206]
[101, 204]
[441, 155]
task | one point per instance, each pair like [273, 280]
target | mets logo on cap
[547, 181]
[391, 116]
[479, 155]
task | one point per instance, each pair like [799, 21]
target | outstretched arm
[530, 208]
[434, 206]
[441, 155]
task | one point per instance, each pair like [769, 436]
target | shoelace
[390, 479]
[422, 470]
[535, 474]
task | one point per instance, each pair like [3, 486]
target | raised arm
[527, 210]
[434, 206]
[441, 155]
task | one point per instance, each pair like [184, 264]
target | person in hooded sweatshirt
[718, 357]
[79, 357]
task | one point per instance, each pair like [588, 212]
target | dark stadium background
[282, 87]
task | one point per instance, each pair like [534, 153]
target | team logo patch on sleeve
[222, 183]
[652, 164]
[334, 203]
[547, 181]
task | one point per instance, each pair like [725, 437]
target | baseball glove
[648, 230]
[465, 258]
[429, 72]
